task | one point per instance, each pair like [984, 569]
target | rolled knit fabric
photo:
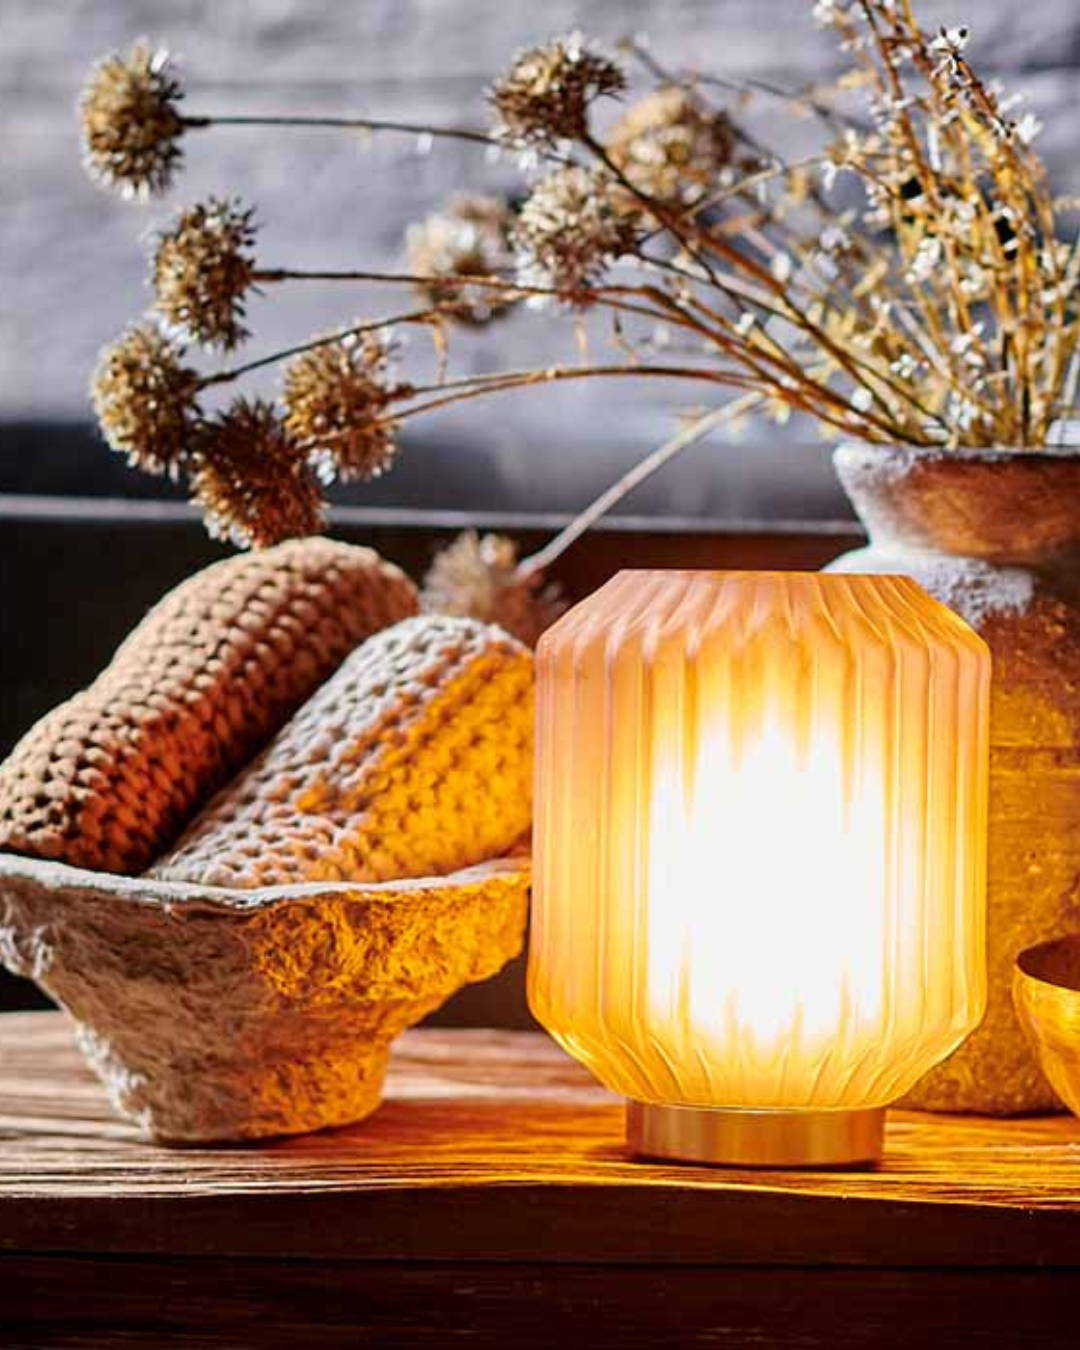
[109, 779]
[415, 759]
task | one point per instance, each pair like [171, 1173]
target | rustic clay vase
[996, 536]
[214, 1014]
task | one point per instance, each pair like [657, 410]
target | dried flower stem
[637, 474]
[355, 330]
[347, 123]
[481, 385]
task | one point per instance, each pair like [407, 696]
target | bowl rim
[1030, 956]
[189, 896]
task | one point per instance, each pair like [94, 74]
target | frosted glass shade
[760, 837]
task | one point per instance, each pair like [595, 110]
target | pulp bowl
[214, 1014]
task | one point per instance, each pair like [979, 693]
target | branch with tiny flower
[781, 304]
[698, 240]
[614, 297]
[625, 298]
[746, 348]
[940, 311]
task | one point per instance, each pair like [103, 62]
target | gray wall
[72, 270]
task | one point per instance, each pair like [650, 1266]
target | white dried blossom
[951, 41]
[827, 13]
[905, 366]
[967, 346]
[926, 261]
[1027, 128]
[948, 48]
[974, 281]
[834, 239]
[961, 412]
[545, 96]
[782, 267]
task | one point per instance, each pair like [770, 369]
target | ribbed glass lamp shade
[760, 852]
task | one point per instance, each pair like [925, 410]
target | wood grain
[494, 1146]
[491, 1202]
[212, 1305]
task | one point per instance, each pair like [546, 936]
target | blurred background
[72, 255]
[87, 545]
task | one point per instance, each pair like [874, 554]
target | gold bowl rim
[1032, 963]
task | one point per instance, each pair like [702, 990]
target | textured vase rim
[961, 454]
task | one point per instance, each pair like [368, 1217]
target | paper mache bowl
[218, 1014]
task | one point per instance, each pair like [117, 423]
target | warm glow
[760, 837]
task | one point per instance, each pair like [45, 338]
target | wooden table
[490, 1203]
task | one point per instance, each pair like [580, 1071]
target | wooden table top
[496, 1146]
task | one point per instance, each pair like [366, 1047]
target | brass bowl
[1046, 992]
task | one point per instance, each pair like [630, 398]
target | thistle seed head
[469, 237]
[145, 400]
[336, 400]
[671, 147]
[545, 96]
[251, 481]
[476, 577]
[131, 128]
[571, 227]
[202, 270]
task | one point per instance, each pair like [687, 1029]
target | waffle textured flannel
[109, 779]
[415, 759]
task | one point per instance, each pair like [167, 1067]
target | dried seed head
[469, 237]
[670, 146]
[476, 577]
[336, 405]
[545, 96]
[250, 479]
[571, 226]
[202, 269]
[130, 124]
[145, 400]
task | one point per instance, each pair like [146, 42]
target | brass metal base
[755, 1138]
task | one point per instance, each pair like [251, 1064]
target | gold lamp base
[755, 1138]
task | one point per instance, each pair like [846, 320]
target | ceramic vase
[996, 536]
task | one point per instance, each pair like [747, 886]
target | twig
[632, 478]
[350, 123]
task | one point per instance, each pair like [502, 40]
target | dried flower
[571, 226]
[477, 577]
[130, 124]
[672, 147]
[251, 480]
[468, 237]
[145, 400]
[336, 399]
[951, 41]
[829, 13]
[1027, 128]
[545, 96]
[202, 270]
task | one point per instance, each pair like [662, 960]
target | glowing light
[760, 837]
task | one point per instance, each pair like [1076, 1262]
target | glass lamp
[760, 842]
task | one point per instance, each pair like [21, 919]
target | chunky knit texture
[110, 778]
[415, 759]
